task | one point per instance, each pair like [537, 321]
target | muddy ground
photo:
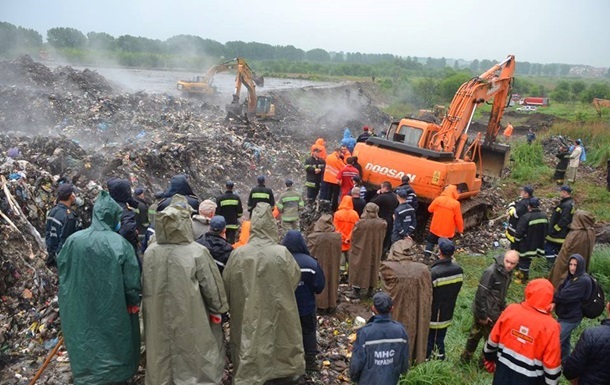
[64, 123]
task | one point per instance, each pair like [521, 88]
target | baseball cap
[566, 188]
[288, 182]
[138, 191]
[446, 246]
[401, 192]
[64, 191]
[528, 189]
[260, 179]
[365, 128]
[382, 302]
[217, 223]
[229, 183]
[534, 202]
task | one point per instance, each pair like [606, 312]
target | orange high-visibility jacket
[244, 235]
[508, 131]
[319, 144]
[525, 339]
[446, 213]
[333, 165]
[344, 221]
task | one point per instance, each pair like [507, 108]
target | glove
[133, 309]
[490, 366]
[216, 318]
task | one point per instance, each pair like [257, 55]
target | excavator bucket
[495, 158]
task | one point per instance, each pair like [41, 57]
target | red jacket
[344, 221]
[525, 340]
[446, 214]
[346, 178]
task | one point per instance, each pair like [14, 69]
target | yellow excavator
[202, 85]
[599, 103]
[261, 107]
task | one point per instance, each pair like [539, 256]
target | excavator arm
[246, 77]
[599, 103]
[494, 83]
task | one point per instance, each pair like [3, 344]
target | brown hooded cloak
[580, 240]
[367, 247]
[325, 244]
[410, 285]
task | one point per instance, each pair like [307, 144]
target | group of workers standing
[191, 273]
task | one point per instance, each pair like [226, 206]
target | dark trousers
[551, 249]
[308, 327]
[431, 241]
[436, 338]
[333, 195]
[524, 265]
[230, 234]
[387, 240]
[312, 192]
[477, 332]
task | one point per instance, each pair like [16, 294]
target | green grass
[451, 372]
[527, 162]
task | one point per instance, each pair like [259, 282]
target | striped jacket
[524, 342]
[447, 279]
[404, 221]
[289, 204]
[560, 220]
[229, 206]
[531, 234]
[381, 352]
[258, 194]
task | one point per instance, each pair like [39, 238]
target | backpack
[594, 306]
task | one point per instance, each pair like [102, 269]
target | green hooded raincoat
[260, 280]
[181, 286]
[98, 278]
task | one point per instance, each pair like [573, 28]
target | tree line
[191, 52]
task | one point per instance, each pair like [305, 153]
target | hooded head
[120, 191]
[402, 251]
[580, 266]
[347, 134]
[346, 203]
[324, 224]
[295, 243]
[173, 225]
[450, 191]
[582, 220]
[320, 142]
[179, 184]
[106, 212]
[263, 228]
[371, 211]
[539, 294]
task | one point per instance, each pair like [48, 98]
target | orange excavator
[599, 103]
[436, 155]
[260, 106]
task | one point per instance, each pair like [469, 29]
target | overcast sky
[540, 31]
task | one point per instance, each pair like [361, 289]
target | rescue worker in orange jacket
[244, 235]
[523, 346]
[446, 218]
[320, 145]
[344, 221]
[330, 186]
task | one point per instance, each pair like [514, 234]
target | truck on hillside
[534, 101]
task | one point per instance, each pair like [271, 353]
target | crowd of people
[194, 266]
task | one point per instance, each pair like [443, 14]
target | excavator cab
[265, 107]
